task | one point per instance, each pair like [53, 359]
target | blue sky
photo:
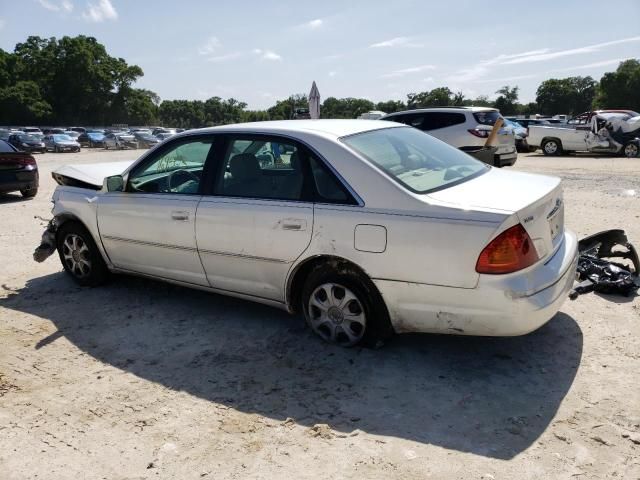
[259, 51]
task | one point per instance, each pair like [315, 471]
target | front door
[150, 227]
[257, 220]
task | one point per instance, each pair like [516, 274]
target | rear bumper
[500, 305]
[505, 159]
[14, 180]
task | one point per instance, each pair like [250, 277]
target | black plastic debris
[598, 270]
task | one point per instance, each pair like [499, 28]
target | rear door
[256, 219]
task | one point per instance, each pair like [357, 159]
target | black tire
[631, 150]
[97, 271]
[29, 193]
[377, 327]
[551, 147]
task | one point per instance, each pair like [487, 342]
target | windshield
[62, 138]
[415, 159]
[95, 136]
[27, 138]
[486, 118]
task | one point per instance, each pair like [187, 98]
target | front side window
[419, 162]
[261, 168]
[176, 169]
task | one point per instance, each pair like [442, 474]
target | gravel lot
[140, 379]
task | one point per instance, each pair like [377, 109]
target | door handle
[294, 224]
[181, 216]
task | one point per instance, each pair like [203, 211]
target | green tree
[22, 103]
[570, 95]
[182, 113]
[438, 97]
[345, 107]
[391, 106]
[284, 109]
[620, 89]
[507, 101]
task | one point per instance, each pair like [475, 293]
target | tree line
[74, 81]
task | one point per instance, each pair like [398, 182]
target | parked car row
[34, 139]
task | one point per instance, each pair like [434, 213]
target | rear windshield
[486, 118]
[416, 160]
[5, 147]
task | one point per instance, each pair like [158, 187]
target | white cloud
[333, 74]
[99, 12]
[396, 42]
[267, 54]
[225, 57]
[49, 5]
[314, 24]
[212, 45]
[508, 79]
[604, 63]
[540, 57]
[65, 6]
[406, 71]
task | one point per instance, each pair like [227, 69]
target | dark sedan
[27, 143]
[91, 139]
[18, 171]
[146, 140]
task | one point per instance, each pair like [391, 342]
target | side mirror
[114, 183]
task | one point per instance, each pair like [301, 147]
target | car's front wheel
[80, 256]
[343, 307]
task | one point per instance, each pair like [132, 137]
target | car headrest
[244, 166]
[294, 161]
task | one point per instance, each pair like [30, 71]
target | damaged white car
[602, 131]
[366, 227]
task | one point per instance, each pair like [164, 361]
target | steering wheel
[177, 174]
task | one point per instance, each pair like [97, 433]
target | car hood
[499, 190]
[72, 143]
[94, 173]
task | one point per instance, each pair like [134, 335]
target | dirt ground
[139, 379]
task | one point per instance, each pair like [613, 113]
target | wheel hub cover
[76, 255]
[335, 315]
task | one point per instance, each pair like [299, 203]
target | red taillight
[479, 132]
[510, 251]
[27, 161]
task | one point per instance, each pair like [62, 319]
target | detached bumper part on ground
[599, 273]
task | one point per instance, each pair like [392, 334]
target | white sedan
[366, 227]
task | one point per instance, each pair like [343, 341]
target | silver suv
[462, 127]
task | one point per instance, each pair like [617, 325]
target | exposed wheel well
[302, 271]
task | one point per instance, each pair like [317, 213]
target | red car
[18, 171]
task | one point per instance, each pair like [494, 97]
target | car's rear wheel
[343, 307]
[80, 256]
[29, 192]
[630, 150]
[551, 147]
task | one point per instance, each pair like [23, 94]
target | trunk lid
[536, 200]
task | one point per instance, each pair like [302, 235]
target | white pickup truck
[582, 134]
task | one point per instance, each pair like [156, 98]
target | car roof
[333, 128]
[445, 109]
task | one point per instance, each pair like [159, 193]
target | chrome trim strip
[239, 255]
[149, 244]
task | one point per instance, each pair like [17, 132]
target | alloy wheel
[551, 147]
[76, 255]
[631, 150]
[336, 314]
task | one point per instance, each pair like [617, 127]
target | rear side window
[486, 118]
[435, 120]
[5, 147]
